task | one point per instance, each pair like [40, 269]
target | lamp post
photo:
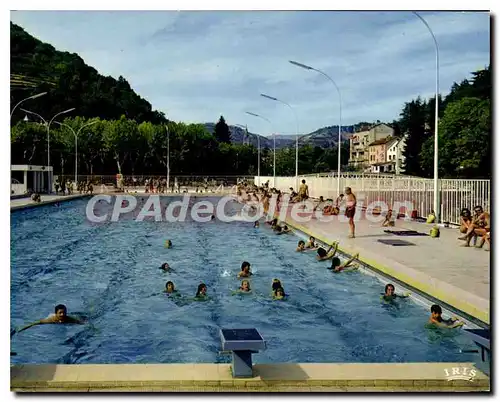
[437, 209]
[340, 113]
[258, 146]
[168, 156]
[296, 138]
[31, 97]
[76, 142]
[48, 137]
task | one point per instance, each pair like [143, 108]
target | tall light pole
[340, 113]
[296, 138]
[76, 142]
[48, 137]
[168, 156]
[31, 97]
[437, 209]
[258, 145]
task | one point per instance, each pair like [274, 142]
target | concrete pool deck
[24, 203]
[294, 377]
[440, 267]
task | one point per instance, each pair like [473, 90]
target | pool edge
[298, 377]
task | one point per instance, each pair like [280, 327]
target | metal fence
[454, 194]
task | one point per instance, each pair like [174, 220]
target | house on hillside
[395, 153]
[359, 156]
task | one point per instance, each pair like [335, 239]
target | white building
[30, 177]
[395, 150]
[359, 144]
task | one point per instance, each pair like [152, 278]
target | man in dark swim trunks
[350, 209]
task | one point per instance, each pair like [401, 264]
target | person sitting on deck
[480, 226]
[388, 219]
[438, 321]
[320, 203]
[59, 317]
[293, 195]
[465, 220]
[324, 255]
[337, 265]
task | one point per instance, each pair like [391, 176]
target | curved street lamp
[258, 146]
[340, 112]
[31, 97]
[76, 142]
[296, 138]
[437, 209]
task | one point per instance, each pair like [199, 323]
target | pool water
[110, 273]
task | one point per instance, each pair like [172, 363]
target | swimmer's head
[321, 198]
[279, 293]
[245, 267]
[301, 244]
[336, 262]
[245, 286]
[312, 239]
[169, 287]
[202, 290]
[168, 243]
[165, 266]
[277, 284]
[256, 224]
[274, 222]
[389, 289]
[61, 311]
[436, 311]
[321, 252]
[348, 190]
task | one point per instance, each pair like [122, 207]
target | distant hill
[325, 137]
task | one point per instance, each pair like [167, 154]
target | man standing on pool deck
[350, 209]
[60, 317]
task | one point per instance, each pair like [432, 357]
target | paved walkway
[440, 267]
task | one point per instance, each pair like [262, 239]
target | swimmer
[326, 255]
[212, 218]
[390, 294]
[256, 224]
[279, 294]
[245, 270]
[282, 229]
[276, 285]
[438, 321]
[245, 286]
[165, 267]
[311, 243]
[337, 266]
[168, 244]
[201, 293]
[170, 288]
[59, 317]
[301, 246]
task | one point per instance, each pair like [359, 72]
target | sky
[195, 66]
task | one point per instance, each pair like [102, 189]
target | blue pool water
[109, 272]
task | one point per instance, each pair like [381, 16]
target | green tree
[222, 133]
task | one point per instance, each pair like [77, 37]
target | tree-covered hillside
[38, 67]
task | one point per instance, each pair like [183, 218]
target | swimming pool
[109, 272]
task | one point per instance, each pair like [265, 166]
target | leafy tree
[222, 133]
[413, 122]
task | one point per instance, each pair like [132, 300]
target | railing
[455, 194]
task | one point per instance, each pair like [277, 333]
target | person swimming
[165, 267]
[279, 294]
[311, 242]
[201, 293]
[245, 270]
[276, 285]
[168, 244]
[60, 316]
[301, 245]
[390, 295]
[437, 320]
[327, 254]
[256, 224]
[337, 265]
[245, 286]
[170, 288]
